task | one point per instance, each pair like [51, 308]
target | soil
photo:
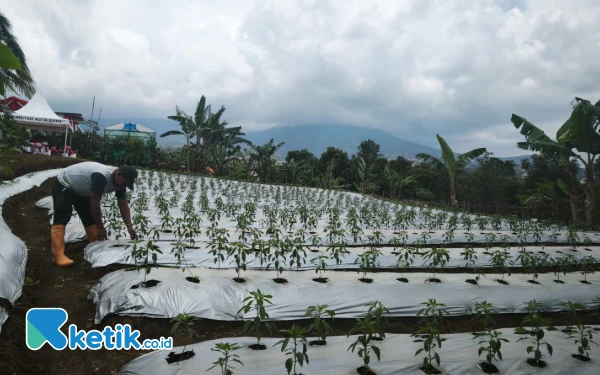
[533, 281]
[581, 357]
[321, 280]
[280, 280]
[68, 288]
[471, 281]
[402, 279]
[317, 343]
[430, 370]
[540, 363]
[366, 280]
[584, 282]
[193, 280]
[365, 370]
[23, 164]
[488, 368]
[502, 282]
[434, 280]
[240, 280]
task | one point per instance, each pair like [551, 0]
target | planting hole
[471, 281]
[257, 347]
[178, 357]
[502, 282]
[167, 231]
[434, 280]
[366, 280]
[314, 251]
[584, 282]
[116, 245]
[430, 370]
[365, 370]
[149, 283]
[534, 363]
[195, 280]
[321, 280]
[280, 280]
[312, 232]
[317, 343]
[192, 247]
[580, 357]
[532, 282]
[559, 281]
[402, 279]
[240, 280]
[587, 249]
[488, 368]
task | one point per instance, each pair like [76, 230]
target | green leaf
[549, 347]
[8, 60]
[377, 352]
[563, 186]
[447, 154]
[580, 130]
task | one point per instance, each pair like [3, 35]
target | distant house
[13, 103]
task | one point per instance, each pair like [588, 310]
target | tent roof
[129, 126]
[38, 115]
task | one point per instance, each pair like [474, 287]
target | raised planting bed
[458, 356]
[219, 297]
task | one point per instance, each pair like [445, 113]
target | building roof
[129, 126]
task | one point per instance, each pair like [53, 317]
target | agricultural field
[321, 280]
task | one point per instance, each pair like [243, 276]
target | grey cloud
[459, 68]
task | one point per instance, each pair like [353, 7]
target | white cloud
[416, 68]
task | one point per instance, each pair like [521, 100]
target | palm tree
[17, 79]
[451, 163]
[536, 138]
[579, 133]
[262, 155]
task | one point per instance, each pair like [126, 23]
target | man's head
[125, 176]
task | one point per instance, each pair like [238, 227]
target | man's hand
[101, 233]
[132, 232]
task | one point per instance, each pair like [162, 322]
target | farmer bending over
[81, 186]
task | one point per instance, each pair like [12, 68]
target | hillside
[316, 139]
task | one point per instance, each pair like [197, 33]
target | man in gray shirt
[81, 186]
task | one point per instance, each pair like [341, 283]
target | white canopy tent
[38, 115]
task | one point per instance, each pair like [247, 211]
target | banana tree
[537, 140]
[397, 181]
[295, 173]
[451, 163]
[188, 130]
[579, 134]
[262, 155]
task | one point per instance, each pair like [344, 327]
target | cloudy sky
[411, 67]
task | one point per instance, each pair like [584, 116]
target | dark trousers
[64, 200]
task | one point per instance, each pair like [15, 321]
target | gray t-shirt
[90, 178]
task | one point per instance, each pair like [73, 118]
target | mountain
[516, 159]
[316, 139]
